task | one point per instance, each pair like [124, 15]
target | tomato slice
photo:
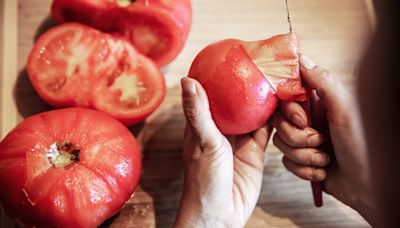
[75, 65]
[134, 89]
[66, 60]
[56, 171]
[157, 28]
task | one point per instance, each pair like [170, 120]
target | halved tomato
[245, 80]
[157, 28]
[68, 168]
[101, 14]
[75, 65]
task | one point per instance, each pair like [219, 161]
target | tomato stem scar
[62, 155]
[125, 3]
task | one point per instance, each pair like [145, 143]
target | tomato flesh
[79, 192]
[245, 80]
[75, 65]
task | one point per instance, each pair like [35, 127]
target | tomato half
[101, 14]
[157, 28]
[68, 168]
[245, 80]
[75, 65]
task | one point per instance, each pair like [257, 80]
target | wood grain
[334, 33]
[8, 59]
[9, 64]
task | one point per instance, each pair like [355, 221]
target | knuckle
[192, 113]
[213, 145]
[294, 139]
[326, 73]
[301, 156]
[329, 79]
[314, 159]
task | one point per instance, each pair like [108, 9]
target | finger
[318, 112]
[329, 89]
[304, 172]
[303, 156]
[294, 112]
[198, 116]
[294, 136]
[262, 135]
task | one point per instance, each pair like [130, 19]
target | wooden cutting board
[334, 33]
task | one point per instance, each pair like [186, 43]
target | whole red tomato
[245, 80]
[157, 28]
[75, 65]
[67, 168]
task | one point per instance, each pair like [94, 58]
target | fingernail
[299, 121]
[306, 62]
[310, 132]
[188, 87]
[314, 140]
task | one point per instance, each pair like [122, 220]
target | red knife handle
[316, 187]
[317, 193]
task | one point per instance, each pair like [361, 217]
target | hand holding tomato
[348, 176]
[223, 175]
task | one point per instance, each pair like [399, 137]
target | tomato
[157, 28]
[245, 80]
[75, 65]
[68, 168]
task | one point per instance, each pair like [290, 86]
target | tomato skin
[102, 14]
[241, 99]
[83, 194]
[278, 58]
[243, 80]
[157, 28]
[73, 65]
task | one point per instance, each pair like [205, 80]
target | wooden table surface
[333, 33]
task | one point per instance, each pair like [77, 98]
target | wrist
[195, 213]
[194, 220]
[366, 207]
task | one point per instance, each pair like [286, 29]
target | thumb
[331, 92]
[198, 115]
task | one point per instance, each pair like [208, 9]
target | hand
[348, 175]
[223, 175]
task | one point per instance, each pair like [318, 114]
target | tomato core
[125, 3]
[63, 155]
